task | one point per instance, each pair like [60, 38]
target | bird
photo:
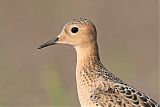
[96, 85]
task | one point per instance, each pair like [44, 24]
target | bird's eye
[74, 30]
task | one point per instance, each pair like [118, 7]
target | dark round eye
[74, 30]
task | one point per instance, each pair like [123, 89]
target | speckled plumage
[81, 21]
[105, 89]
[98, 87]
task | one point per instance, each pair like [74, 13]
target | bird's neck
[87, 56]
[88, 63]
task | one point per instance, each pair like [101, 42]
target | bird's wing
[134, 96]
[111, 94]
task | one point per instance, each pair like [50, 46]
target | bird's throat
[87, 55]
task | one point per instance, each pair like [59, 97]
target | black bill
[51, 42]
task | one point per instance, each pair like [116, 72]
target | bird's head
[79, 32]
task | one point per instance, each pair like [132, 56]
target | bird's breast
[86, 81]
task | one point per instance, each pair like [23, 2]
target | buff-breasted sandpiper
[97, 87]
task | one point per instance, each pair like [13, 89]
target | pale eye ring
[74, 30]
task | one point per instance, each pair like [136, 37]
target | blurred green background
[127, 38]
